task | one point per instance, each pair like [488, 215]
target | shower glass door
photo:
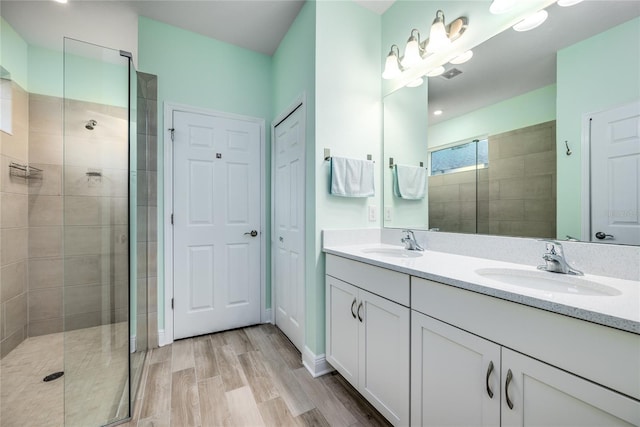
[96, 234]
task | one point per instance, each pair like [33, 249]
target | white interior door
[615, 175]
[288, 233]
[216, 223]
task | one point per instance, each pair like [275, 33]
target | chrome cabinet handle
[506, 388]
[359, 307]
[252, 233]
[489, 371]
[353, 304]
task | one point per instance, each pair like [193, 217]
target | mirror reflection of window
[459, 158]
[5, 102]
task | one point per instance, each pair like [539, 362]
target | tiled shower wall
[148, 208]
[514, 196]
[14, 232]
[92, 268]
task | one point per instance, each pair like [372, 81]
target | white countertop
[619, 311]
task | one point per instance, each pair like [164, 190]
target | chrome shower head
[91, 124]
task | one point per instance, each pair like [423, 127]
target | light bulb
[411, 53]
[438, 37]
[532, 21]
[501, 6]
[462, 58]
[436, 71]
[391, 67]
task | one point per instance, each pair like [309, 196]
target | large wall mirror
[539, 134]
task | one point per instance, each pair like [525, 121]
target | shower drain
[53, 376]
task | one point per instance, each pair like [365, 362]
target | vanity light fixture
[462, 58]
[501, 6]
[392, 67]
[438, 36]
[567, 3]
[436, 71]
[417, 82]
[532, 21]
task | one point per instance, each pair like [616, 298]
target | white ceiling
[258, 25]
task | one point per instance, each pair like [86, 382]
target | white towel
[410, 182]
[352, 177]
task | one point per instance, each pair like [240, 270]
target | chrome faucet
[555, 261]
[410, 242]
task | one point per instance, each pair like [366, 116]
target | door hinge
[171, 219]
[171, 303]
[172, 130]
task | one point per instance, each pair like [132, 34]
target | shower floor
[95, 378]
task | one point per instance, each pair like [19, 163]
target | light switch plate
[387, 213]
[372, 213]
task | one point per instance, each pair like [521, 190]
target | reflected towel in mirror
[352, 177]
[409, 182]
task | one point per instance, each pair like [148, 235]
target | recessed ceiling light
[532, 21]
[437, 113]
[417, 82]
[436, 71]
[567, 3]
[60, 1]
[462, 58]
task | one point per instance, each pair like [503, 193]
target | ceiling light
[462, 58]
[437, 113]
[501, 6]
[392, 67]
[567, 3]
[413, 51]
[532, 21]
[438, 37]
[436, 71]
[60, 1]
[417, 82]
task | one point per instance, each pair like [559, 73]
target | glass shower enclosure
[101, 298]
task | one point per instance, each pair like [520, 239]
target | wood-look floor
[245, 377]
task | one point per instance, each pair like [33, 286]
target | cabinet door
[342, 328]
[384, 356]
[455, 376]
[543, 395]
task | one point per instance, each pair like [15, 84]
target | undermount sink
[393, 252]
[548, 282]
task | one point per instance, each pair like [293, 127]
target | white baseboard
[132, 344]
[162, 338]
[317, 365]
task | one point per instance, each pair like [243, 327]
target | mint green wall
[13, 54]
[349, 123]
[45, 71]
[537, 106]
[594, 75]
[196, 70]
[294, 74]
[405, 140]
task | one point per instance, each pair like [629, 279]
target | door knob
[600, 235]
[252, 233]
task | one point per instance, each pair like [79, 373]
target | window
[5, 102]
[462, 157]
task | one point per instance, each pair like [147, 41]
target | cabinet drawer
[380, 281]
[607, 356]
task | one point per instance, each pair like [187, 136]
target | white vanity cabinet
[464, 373]
[368, 321]
[455, 376]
